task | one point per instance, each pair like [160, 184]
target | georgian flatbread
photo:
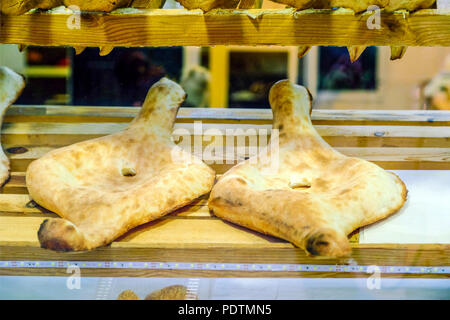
[359, 6]
[11, 86]
[302, 190]
[102, 188]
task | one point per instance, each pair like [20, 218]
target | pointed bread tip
[302, 51]
[355, 52]
[397, 52]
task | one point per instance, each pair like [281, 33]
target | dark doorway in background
[123, 77]
[336, 72]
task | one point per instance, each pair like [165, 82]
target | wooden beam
[47, 113]
[219, 60]
[379, 254]
[180, 27]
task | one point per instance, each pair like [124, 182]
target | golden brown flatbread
[308, 193]
[106, 186]
[17, 7]
[11, 86]
[207, 5]
[175, 292]
[359, 6]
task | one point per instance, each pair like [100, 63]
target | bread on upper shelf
[17, 7]
[360, 5]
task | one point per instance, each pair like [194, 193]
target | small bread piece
[148, 4]
[106, 186]
[98, 5]
[409, 5]
[301, 189]
[175, 292]
[397, 52]
[18, 7]
[355, 52]
[360, 5]
[207, 5]
[356, 5]
[11, 86]
[128, 295]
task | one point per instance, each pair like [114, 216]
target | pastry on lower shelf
[175, 292]
[128, 295]
[11, 86]
[301, 189]
[102, 188]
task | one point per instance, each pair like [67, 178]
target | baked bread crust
[11, 86]
[102, 188]
[317, 196]
[18, 7]
[359, 6]
[207, 5]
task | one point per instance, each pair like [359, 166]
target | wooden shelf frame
[410, 140]
[253, 27]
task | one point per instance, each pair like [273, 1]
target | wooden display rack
[253, 27]
[413, 140]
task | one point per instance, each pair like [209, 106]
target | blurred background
[233, 77]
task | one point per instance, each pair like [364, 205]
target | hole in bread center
[128, 172]
[300, 186]
[299, 183]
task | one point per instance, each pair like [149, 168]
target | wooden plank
[380, 254]
[22, 205]
[179, 27]
[219, 64]
[201, 230]
[40, 113]
[51, 133]
[213, 239]
[147, 273]
[179, 233]
[387, 165]
[388, 158]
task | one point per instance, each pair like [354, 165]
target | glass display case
[227, 60]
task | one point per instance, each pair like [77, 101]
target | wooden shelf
[179, 27]
[411, 140]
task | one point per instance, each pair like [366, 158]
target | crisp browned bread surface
[302, 190]
[207, 5]
[18, 7]
[102, 188]
[11, 86]
[175, 292]
[360, 5]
